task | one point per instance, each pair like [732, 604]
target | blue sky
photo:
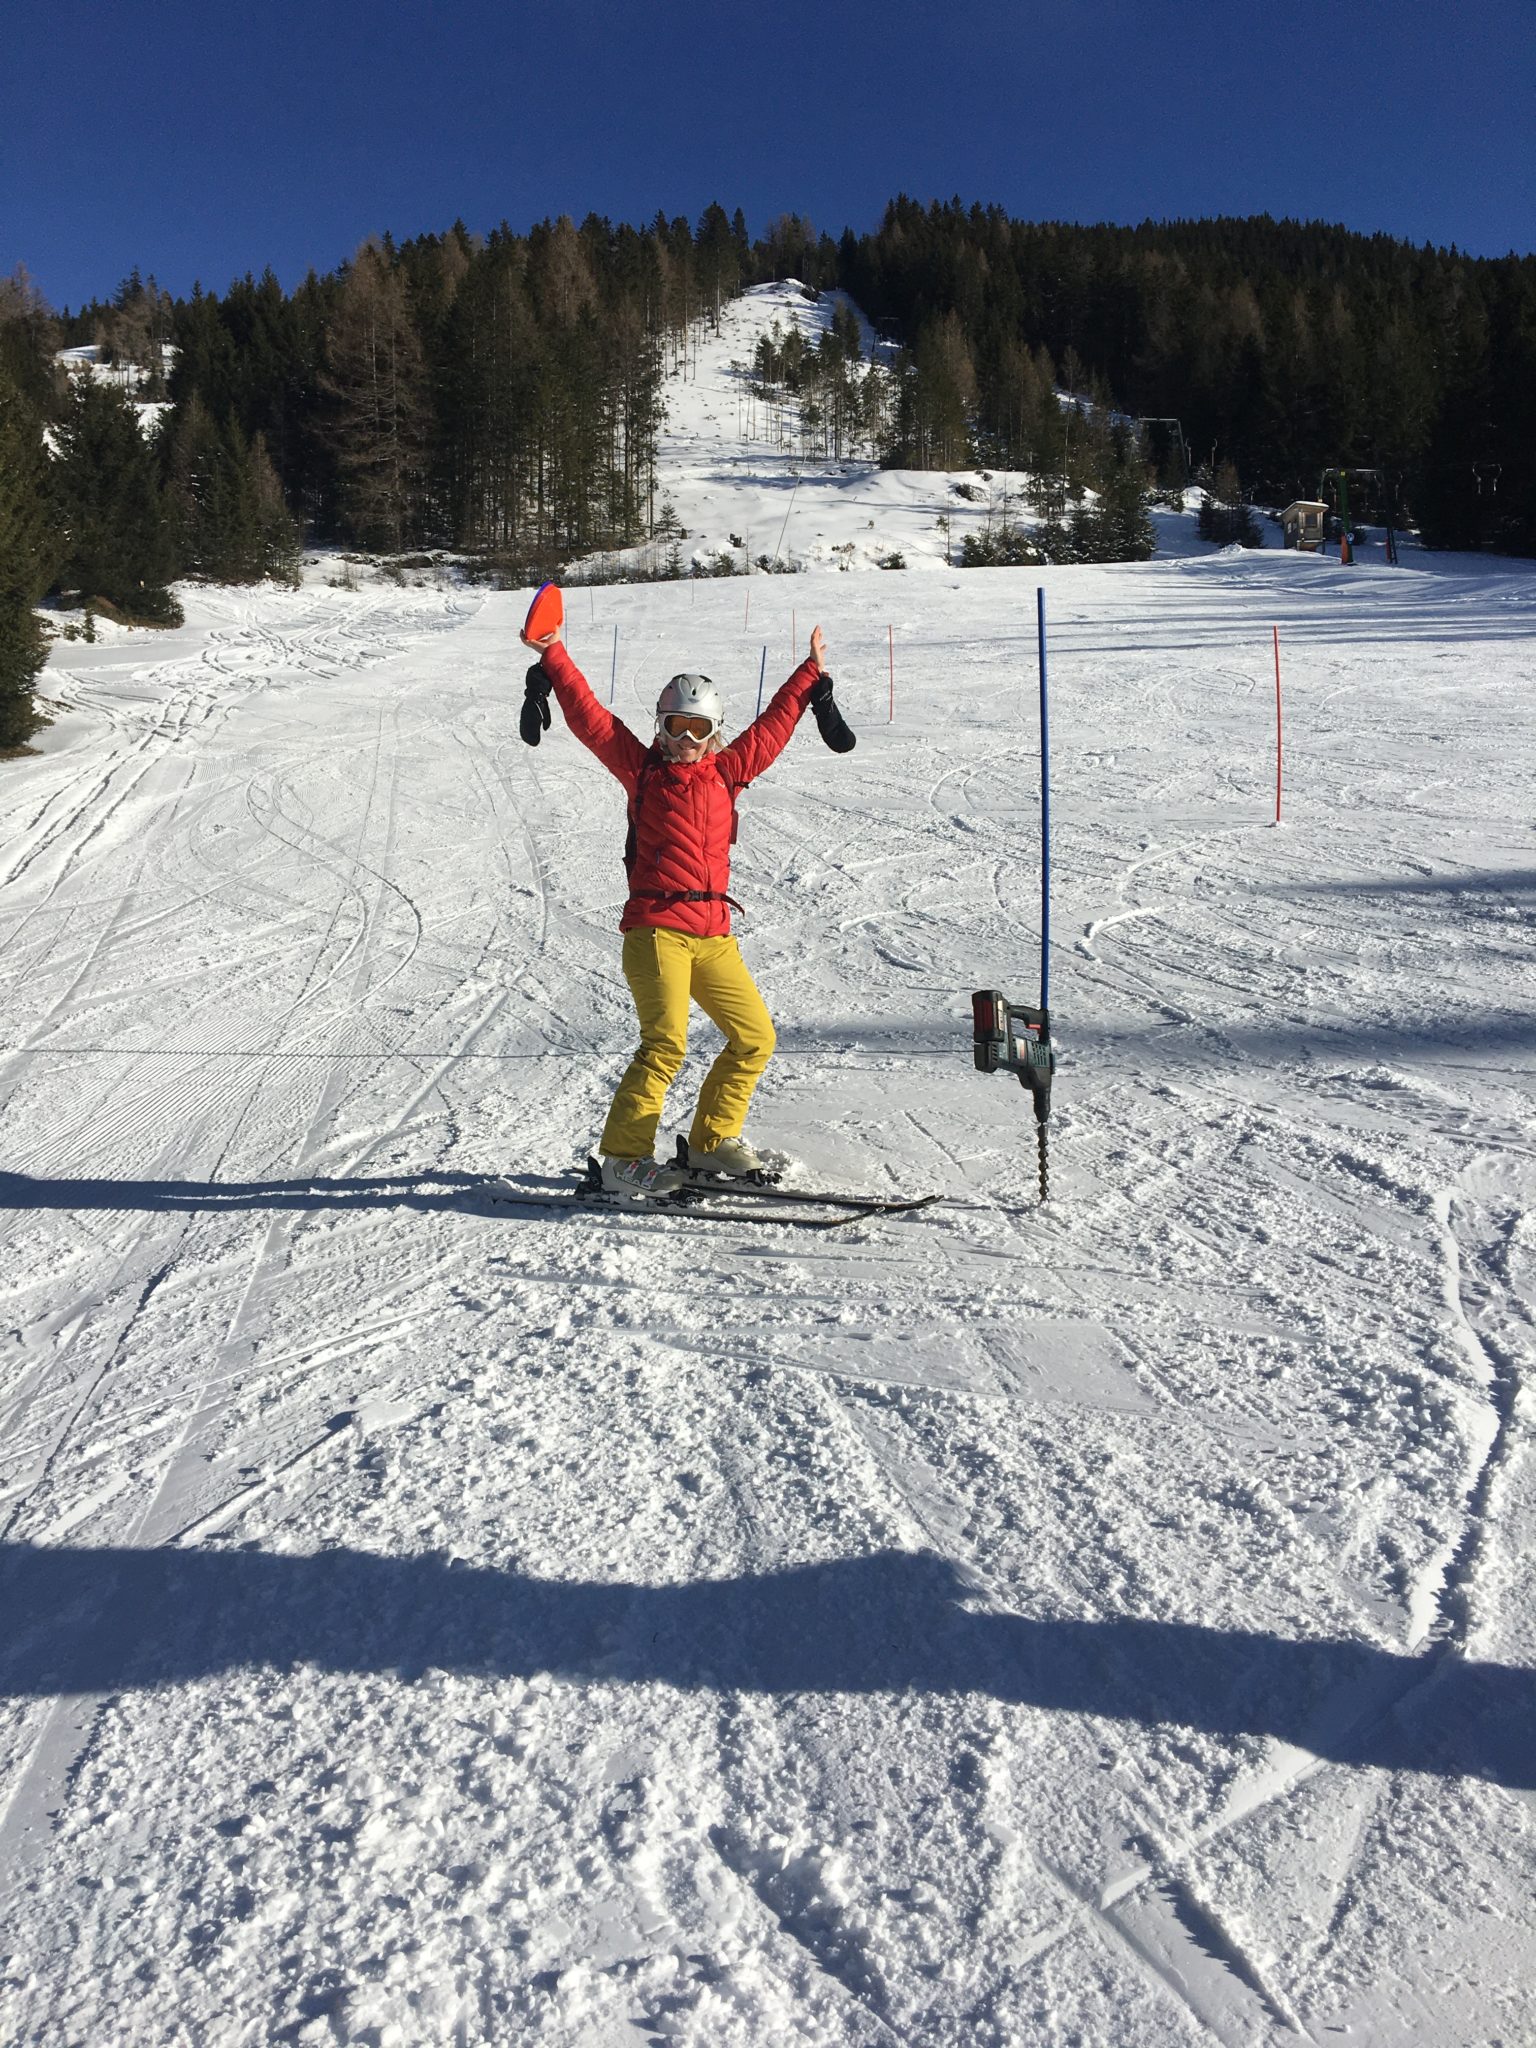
[201, 141]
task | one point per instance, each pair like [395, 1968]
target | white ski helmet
[693, 696]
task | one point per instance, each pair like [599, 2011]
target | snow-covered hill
[427, 1622]
[731, 466]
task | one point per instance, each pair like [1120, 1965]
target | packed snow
[429, 1620]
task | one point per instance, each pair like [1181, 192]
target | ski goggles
[687, 725]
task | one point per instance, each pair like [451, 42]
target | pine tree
[1462, 468]
[490, 387]
[559, 275]
[137, 330]
[28, 548]
[1048, 446]
[719, 264]
[277, 550]
[1052, 540]
[1010, 397]
[204, 492]
[1224, 515]
[227, 508]
[118, 541]
[1084, 540]
[1125, 529]
[1090, 452]
[29, 335]
[376, 380]
[789, 248]
[946, 394]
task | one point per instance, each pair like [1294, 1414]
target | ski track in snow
[1102, 1623]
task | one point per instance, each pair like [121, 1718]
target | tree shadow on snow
[1470, 882]
[1215, 1040]
[82, 1621]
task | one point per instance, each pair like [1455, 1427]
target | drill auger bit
[1010, 1035]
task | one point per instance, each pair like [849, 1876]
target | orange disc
[545, 613]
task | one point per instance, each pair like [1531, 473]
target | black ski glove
[830, 722]
[534, 717]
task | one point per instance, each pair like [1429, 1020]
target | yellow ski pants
[666, 971]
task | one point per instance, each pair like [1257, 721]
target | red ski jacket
[682, 815]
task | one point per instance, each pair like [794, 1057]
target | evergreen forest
[500, 395]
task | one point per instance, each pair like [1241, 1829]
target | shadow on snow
[426, 1191]
[1470, 882]
[84, 1621]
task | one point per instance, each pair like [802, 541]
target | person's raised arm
[766, 737]
[830, 722]
[592, 723]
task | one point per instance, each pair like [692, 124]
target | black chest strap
[687, 896]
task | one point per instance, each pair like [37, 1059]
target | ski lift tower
[1154, 420]
[1341, 477]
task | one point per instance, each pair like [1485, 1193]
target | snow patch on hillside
[89, 360]
[728, 462]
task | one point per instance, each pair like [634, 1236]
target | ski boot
[638, 1180]
[731, 1159]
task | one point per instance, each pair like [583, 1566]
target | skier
[678, 948]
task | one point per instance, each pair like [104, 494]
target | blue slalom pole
[1045, 817]
[1010, 1036]
[761, 673]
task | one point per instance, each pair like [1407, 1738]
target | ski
[765, 1186]
[685, 1207]
[709, 1186]
[699, 1202]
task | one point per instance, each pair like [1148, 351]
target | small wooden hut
[1302, 523]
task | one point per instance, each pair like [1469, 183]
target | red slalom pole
[890, 634]
[1278, 727]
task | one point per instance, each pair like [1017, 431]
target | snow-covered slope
[731, 466]
[1111, 1623]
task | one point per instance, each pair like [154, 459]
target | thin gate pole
[1045, 816]
[1278, 729]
